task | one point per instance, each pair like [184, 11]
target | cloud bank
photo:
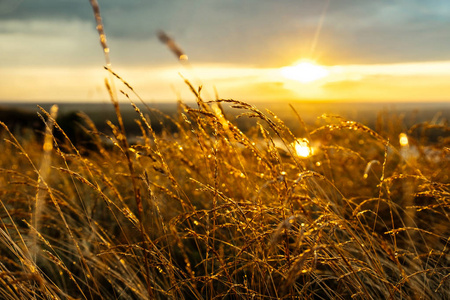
[254, 32]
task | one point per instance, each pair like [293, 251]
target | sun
[305, 71]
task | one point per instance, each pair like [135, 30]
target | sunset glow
[381, 82]
[224, 149]
[306, 71]
[328, 51]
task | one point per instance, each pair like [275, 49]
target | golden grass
[208, 211]
[204, 210]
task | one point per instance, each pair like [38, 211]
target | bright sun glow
[302, 148]
[403, 139]
[305, 72]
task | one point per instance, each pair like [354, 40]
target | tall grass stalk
[44, 171]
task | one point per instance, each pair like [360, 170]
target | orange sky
[389, 82]
[369, 51]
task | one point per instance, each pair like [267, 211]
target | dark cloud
[259, 32]
[46, 9]
[397, 31]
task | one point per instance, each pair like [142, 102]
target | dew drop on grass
[48, 146]
[302, 148]
[403, 139]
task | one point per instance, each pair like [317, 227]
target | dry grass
[208, 211]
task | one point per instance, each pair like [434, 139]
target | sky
[252, 50]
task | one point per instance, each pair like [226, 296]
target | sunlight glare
[302, 148]
[403, 139]
[305, 72]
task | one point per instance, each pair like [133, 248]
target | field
[223, 200]
[204, 209]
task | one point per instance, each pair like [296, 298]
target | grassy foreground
[207, 211]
